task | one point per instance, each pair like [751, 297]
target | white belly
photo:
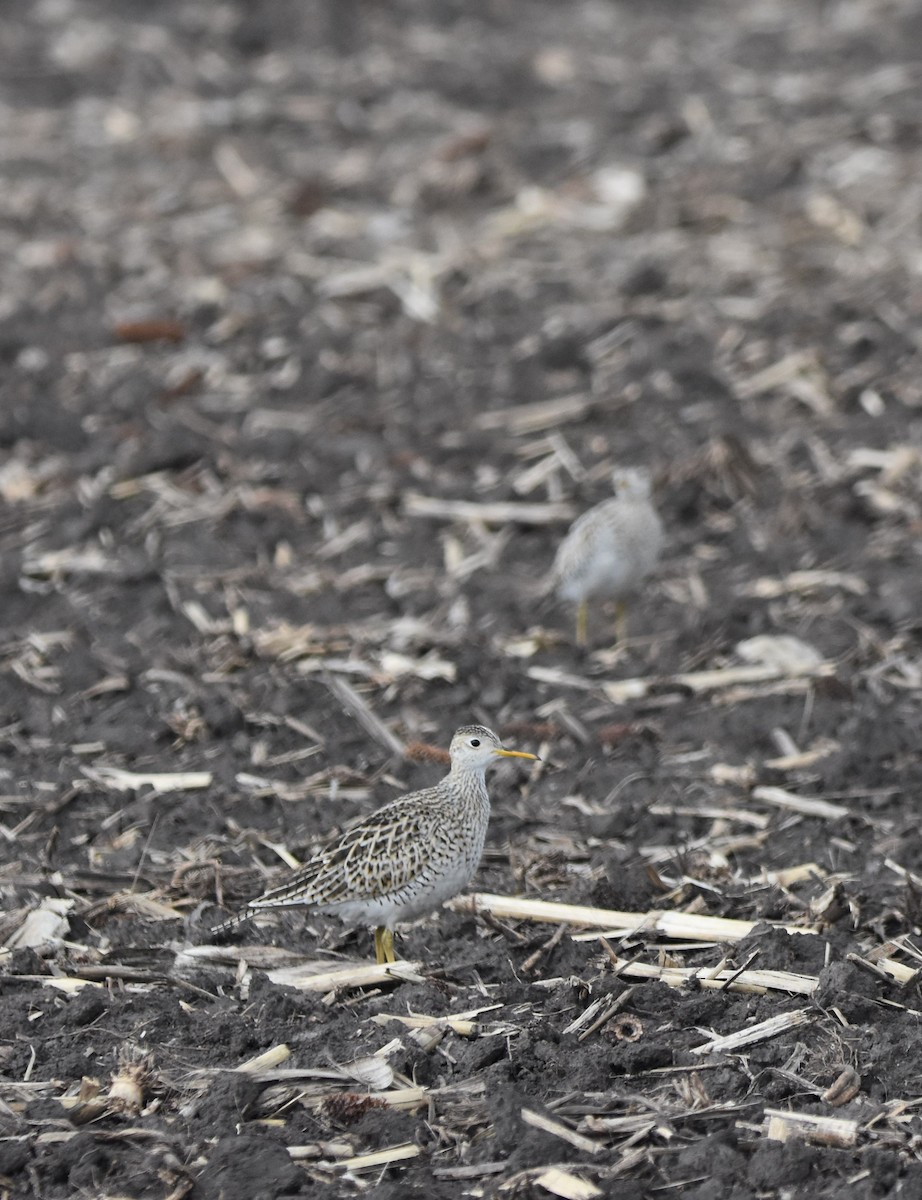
[601, 559]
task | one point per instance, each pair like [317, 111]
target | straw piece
[590, 1013]
[756, 1033]
[265, 1061]
[900, 972]
[729, 980]
[801, 759]
[565, 1184]
[500, 512]
[622, 691]
[830, 1131]
[808, 806]
[634, 1123]
[378, 1158]
[464, 1028]
[770, 588]
[368, 975]
[707, 681]
[316, 1096]
[678, 925]
[777, 374]
[712, 812]
[801, 873]
[469, 1170]
[844, 1087]
[46, 923]
[118, 780]
[314, 1150]
[556, 1129]
[354, 704]
[463, 1024]
[532, 418]
[68, 984]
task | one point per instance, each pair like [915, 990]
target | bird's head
[474, 747]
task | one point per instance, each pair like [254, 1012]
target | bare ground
[287, 290]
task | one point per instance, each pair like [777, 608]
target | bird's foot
[384, 945]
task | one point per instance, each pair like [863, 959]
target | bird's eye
[475, 741]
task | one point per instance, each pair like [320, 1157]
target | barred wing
[377, 857]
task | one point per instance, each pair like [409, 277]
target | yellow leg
[582, 623]
[620, 621]
[384, 945]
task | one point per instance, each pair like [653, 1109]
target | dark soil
[271, 272]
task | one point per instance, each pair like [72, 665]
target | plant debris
[320, 324]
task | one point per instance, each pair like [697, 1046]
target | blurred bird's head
[631, 483]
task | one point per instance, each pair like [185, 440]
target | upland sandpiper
[610, 550]
[405, 859]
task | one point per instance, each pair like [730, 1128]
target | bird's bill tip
[516, 754]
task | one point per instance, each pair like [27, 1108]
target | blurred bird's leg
[582, 623]
[384, 945]
[621, 621]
